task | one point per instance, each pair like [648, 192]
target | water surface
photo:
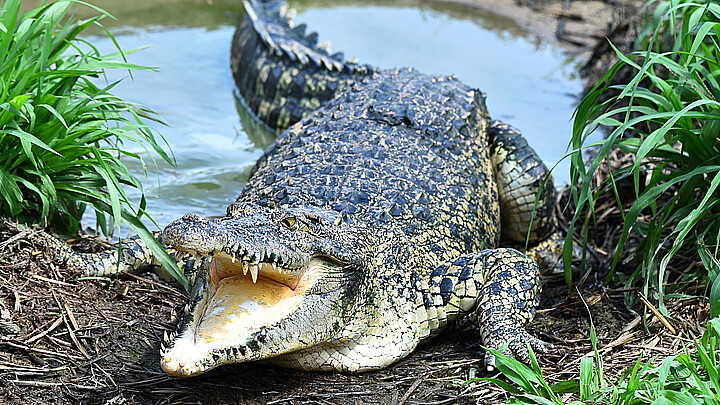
[530, 83]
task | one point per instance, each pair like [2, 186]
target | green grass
[690, 378]
[62, 138]
[668, 117]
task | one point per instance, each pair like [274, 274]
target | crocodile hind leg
[521, 174]
[499, 288]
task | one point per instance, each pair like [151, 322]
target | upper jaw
[250, 240]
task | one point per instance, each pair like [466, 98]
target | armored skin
[368, 225]
[372, 222]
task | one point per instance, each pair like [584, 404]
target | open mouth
[238, 299]
[245, 297]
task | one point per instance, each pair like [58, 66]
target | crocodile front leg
[499, 288]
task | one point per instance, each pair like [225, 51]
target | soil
[64, 339]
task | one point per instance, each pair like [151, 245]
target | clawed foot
[517, 343]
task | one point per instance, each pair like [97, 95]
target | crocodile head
[275, 282]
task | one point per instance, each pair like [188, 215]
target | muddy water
[530, 83]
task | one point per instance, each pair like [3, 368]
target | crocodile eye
[288, 222]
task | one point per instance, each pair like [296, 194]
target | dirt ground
[68, 340]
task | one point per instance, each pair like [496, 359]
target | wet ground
[64, 340]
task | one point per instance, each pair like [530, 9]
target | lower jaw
[227, 321]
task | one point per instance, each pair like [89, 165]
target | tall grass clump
[61, 136]
[690, 378]
[668, 117]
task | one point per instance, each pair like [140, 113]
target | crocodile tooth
[187, 308]
[244, 266]
[233, 257]
[165, 337]
[254, 273]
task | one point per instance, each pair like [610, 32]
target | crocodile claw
[515, 345]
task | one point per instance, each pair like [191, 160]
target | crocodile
[372, 222]
[389, 206]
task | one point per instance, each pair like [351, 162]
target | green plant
[530, 385]
[668, 117]
[62, 136]
[689, 378]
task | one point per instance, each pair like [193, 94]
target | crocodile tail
[135, 257]
[282, 73]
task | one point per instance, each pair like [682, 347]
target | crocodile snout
[194, 232]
